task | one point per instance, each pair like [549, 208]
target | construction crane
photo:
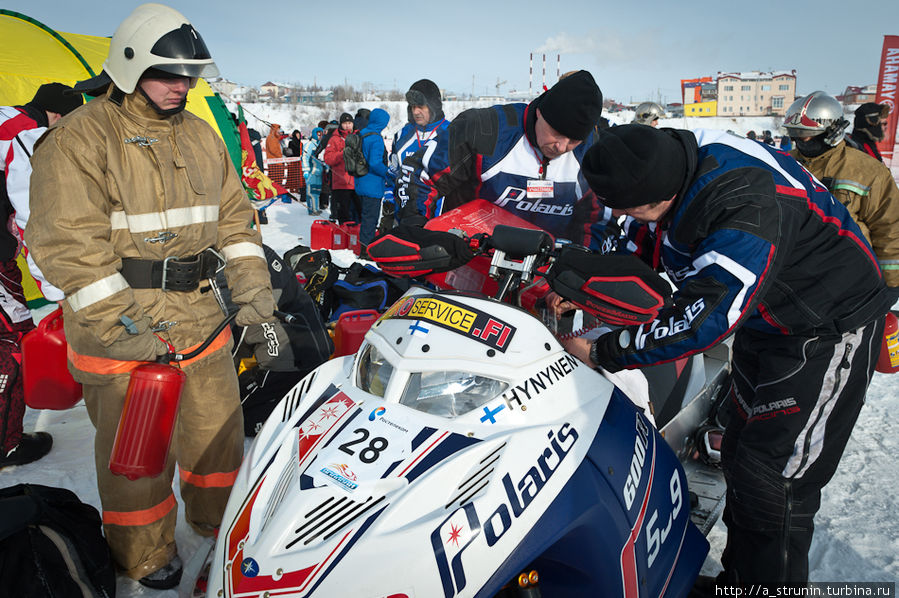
[498, 83]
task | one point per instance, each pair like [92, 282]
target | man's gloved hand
[619, 289]
[408, 250]
[137, 342]
[260, 309]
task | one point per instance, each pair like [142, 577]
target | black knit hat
[634, 165]
[346, 117]
[56, 97]
[572, 106]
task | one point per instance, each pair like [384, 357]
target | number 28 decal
[370, 453]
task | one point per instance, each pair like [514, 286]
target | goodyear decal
[448, 314]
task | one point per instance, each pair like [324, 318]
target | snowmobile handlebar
[519, 243]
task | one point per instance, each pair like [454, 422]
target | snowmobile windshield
[449, 394]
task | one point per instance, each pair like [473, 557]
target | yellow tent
[33, 54]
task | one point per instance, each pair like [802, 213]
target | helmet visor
[192, 70]
[185, 53]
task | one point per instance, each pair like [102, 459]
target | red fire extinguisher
[888, 362]
[144, 434]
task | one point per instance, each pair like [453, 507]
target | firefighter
[860, 182]
[135, 207]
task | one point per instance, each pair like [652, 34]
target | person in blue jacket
[759, 250]
[525, 158]
[312, 170]
[426, 120]
[370, 188]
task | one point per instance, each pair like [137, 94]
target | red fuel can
[325, 234]
[888, 362]
[350, 330]
[351, 230]
[46, 379]
[148, 419]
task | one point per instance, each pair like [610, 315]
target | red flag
[887, 93]
[260, 186]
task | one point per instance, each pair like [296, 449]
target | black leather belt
[172, 273]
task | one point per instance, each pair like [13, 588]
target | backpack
[52, 545]
[353, 157]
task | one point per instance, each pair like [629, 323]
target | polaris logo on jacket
[518, 199]
[658, 330]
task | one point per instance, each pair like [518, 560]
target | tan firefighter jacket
[113, 181]
[866, 187]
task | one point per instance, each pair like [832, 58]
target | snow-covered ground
[857, 528]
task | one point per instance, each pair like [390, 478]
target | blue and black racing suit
[491, 154]
[758, 248]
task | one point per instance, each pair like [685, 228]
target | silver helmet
[156, 36]
[648, 112]
[814, 114]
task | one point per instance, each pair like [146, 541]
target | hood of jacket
[377, 120]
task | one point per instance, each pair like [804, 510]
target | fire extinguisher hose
[285, 317]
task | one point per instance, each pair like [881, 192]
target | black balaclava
[812, 147]
[861, 123]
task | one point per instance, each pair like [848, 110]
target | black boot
[30, 448]
[166, 578]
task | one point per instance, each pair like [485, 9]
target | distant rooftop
[756, 75]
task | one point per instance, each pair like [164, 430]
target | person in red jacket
[343, 195]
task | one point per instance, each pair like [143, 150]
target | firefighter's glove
[136, 342]
[260, 309]
[414, 251]
[619, 289]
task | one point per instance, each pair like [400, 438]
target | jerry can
[46, 379]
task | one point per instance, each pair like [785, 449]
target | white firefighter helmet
[648, 112]
[814, 114]
[156, 36]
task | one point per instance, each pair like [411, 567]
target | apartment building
[859, 95]
[755, 93]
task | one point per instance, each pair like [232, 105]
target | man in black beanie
[758, 249]
[525, 158]
[20, 128]
[868, 128]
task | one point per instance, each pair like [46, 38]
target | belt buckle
[165, 270]
[177, 282]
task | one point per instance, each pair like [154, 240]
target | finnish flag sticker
[419, 328]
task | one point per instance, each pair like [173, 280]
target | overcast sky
[636, 50]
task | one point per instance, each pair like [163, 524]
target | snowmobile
[462, 452]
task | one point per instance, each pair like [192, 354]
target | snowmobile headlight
[373, 372]
[449, 394]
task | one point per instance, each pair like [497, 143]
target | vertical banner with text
[887, 93]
